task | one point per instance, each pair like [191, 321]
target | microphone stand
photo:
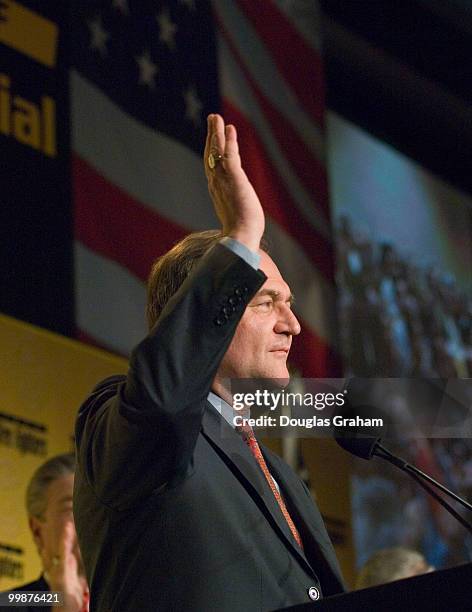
[423, 480]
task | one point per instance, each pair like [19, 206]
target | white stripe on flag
[156, 170]
[110, 301]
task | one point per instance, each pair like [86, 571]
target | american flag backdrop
[145, 75]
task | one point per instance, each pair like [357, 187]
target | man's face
[49, 530]
[262, 341]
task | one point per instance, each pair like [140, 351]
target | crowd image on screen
[402, 320]
[396, 318]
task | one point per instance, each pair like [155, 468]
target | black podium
[441, 591]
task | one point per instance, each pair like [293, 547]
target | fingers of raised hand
[231, 142]
[218, 141]
[221, 147]
[215, 143]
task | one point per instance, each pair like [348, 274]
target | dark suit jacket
[171, 509]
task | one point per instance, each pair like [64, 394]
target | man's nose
[287, 322]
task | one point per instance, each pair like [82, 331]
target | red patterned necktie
[250, 439]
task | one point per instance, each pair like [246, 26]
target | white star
[147, 70]
[167, 29]
[121, 5]
[99, 36]
[190, 4]
[193, 106]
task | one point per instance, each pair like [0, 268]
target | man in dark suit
[172, 509]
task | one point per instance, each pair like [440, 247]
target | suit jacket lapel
[307, 513]
[236, 452]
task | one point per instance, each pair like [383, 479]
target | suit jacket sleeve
[137, 434]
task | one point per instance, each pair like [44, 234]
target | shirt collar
[226, 411]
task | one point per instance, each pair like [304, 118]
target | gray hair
[48, 472]
[391, 564]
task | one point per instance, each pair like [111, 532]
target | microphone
[360, 447]
[368, 447]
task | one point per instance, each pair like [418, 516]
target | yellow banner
[28, 32]
[44, 378]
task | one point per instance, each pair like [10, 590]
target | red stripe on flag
[309, 170]
[299, 63]
[274, 197]
[112, 223]
[313, 357]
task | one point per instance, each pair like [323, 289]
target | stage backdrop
[43, 379]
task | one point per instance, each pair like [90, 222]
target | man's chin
[283, 377]
[282, 381]
[275, 380]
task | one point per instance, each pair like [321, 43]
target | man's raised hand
[236, 203]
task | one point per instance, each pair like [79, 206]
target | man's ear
[36, 527]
